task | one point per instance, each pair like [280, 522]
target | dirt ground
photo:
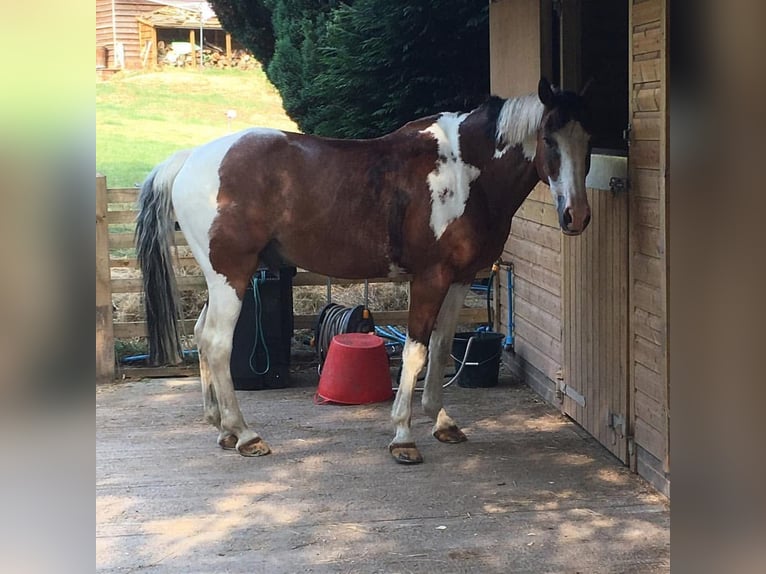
[530, 492]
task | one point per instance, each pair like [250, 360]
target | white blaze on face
[572, 143]
[450, 181]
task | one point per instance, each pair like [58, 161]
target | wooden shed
[127, 30]
[589, 314]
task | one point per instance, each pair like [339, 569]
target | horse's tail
[154, 237]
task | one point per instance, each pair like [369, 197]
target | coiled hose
[335, 319]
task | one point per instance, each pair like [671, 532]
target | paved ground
[528, 493]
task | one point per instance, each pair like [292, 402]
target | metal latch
[617, 184]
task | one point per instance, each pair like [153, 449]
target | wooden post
[104, 321]
[155, 53]
[228, 48]
[193, 52]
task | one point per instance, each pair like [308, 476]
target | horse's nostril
[586, 222]
[567, 217]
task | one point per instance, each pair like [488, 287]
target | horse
[433, 199]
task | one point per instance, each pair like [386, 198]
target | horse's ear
[545, 92]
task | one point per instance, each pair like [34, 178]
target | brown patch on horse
[343, 208]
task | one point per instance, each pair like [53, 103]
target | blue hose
[508, 343]
[138, 358]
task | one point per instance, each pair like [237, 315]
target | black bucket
[483, 363]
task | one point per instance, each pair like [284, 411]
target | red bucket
[356, 371]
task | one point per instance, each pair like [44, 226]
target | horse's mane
[518, 119]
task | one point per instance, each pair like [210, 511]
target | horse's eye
[550, 142]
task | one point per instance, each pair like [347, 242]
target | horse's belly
[347, 253]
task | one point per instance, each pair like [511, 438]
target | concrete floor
[529, 492]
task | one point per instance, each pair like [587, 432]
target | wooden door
[593, 387]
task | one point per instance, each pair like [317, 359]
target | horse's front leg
[425, 301]
[444, 429]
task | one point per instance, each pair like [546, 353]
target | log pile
[212, 57]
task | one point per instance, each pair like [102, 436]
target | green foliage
[250, 23]
[364, 68]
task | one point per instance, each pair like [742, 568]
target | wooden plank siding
[103, 23]
[648, 230]
[520, 53]
[595, 319]
[126, 26]
[134, 35]
[534, 248]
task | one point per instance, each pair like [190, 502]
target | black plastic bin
[253, 365]
[483, 362]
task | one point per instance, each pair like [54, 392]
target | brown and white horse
[433, 199]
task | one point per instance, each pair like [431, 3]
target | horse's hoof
[405, 453]
[254, 447]
[452, 434]
[228, 442]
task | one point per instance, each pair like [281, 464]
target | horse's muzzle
[573, 222]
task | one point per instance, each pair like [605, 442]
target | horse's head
[563, 155]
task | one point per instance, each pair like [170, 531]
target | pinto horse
[433, 199]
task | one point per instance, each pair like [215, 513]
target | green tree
[362, 69]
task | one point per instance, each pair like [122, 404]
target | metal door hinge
[626, 133]
[562, 390]
[616, 422]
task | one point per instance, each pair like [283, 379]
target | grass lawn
[143, 118]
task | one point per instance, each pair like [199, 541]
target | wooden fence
[115, 216]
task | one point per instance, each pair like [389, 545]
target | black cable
[335, 319]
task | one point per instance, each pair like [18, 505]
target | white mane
[517, 124]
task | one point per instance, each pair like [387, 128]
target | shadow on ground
[529, 492]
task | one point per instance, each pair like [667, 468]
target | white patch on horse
[195, 189]
[413, 360]
[572, 141]
[450, 181]
[517, 124]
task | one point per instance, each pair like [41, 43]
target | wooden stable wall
[648, 239]
[519, 55]
[594, 383]
[115, 228]
[590, 317]
[126, 28]
[534, 249]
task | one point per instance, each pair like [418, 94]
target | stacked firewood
[212, 57]
[239, 59]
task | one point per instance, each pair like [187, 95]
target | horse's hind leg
[210, 407]
[444, 428]
[215, 345]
